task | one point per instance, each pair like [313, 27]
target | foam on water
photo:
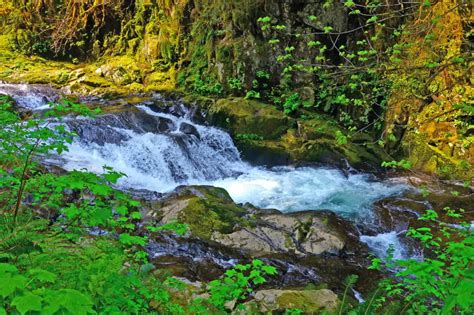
[307, 188]
[29, 96]
[381, 243]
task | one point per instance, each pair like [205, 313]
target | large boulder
[266, 136]
[306, 247]
[205, 209]
[308, 301]
[244, 117]
[212, 215]
[303, 233]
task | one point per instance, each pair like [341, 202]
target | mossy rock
[241, 116]
[430, 159]
[205, 209]
[266, 152]
[309, 301]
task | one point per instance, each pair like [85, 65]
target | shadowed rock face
[103, 129]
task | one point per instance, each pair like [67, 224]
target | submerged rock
[189, 130]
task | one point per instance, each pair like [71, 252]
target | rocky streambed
[252, 183]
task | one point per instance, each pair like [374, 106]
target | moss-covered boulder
[266, 136]
[205, 209]
[244, 117]
[309, 301]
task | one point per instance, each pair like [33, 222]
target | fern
[17, 238]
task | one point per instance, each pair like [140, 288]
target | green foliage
[403, 164]
[235, 84]
[253, 95]
[341, 139]
[238, 283]
[292, 103]
[442, 282]
[248, 136]
[30, 291]
[176, 227]
[207, 86]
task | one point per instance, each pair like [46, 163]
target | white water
[380, 244]
[293, 189]
[28, 96]
[162, 161]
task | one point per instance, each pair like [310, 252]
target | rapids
[159, 150]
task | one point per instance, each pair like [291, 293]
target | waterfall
[160, 147]
[161, 150]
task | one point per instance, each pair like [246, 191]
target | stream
[160, 148]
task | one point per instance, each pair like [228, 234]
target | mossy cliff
[216, 48]
[431, 111]
[198, 44]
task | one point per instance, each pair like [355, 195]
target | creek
[161, 147]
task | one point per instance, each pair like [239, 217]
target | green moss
[430, 159]
[311, 302]
[241, 116]
[212, 211]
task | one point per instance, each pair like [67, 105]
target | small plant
[403, 164]
[248, 136]
[341, 139]
[292, 103]
[207, 86]
[238, 283]
[235, 84]
[252, 95]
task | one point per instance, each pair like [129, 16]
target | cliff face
[209, 42]
[217, 48]
[431, 110]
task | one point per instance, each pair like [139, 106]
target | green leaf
[9, 284]
[43, 275]
[70, 300]
[27, 302]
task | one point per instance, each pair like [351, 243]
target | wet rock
[144, 194]
[309, 301]
[191, 258]
[29, 96]
[242, 116]
[306, 247]
[395, 214]
[90, 132]
[298, 233]
[107, 128]
[189, 130]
